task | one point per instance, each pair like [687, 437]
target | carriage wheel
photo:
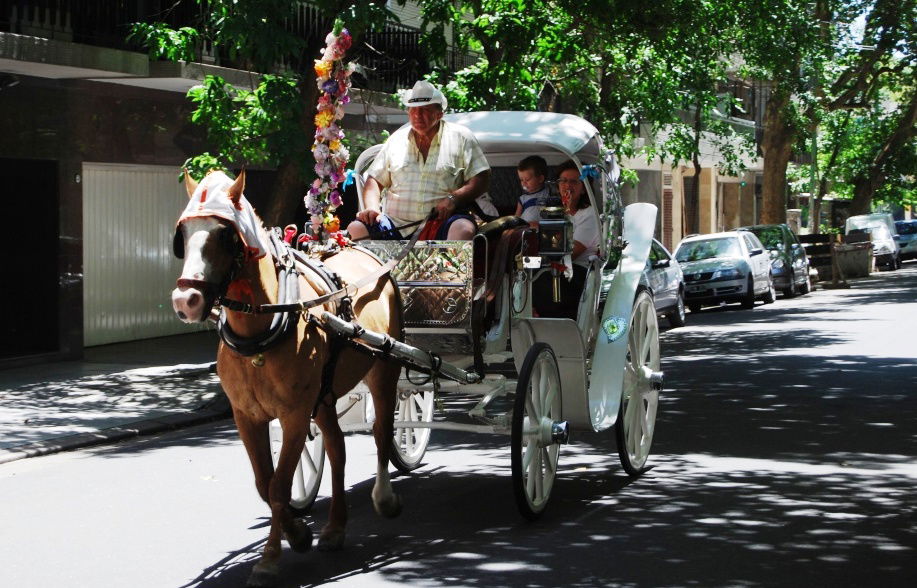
[410, 442]
[308, 475]
[642, 382]
[535, 450]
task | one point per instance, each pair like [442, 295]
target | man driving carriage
[430, 164]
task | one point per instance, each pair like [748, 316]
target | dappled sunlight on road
[88, 404]
[784, 456]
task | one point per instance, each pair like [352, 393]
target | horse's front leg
[257, 444]
[383, 384]
[332, 535]
[277, 493]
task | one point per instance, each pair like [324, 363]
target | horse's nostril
[181, 315]
[194, 300]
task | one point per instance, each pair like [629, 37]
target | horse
[226, 254]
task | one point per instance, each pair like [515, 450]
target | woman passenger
[585, 244]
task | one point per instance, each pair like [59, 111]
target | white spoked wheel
[411, 442]
[308, 475]
[642, 383]
[536, 410]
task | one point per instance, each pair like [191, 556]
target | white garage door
[129, 214]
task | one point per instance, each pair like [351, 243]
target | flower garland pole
[331, 156]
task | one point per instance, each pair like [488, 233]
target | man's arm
[464, 195]
[372, 199]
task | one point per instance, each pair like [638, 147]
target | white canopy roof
[531, 132]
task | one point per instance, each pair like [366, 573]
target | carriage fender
[607, 381]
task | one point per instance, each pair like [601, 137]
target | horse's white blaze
[188, 303]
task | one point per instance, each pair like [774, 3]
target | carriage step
[420, 359]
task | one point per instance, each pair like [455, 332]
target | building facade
[92, 136]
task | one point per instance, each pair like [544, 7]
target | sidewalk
[117, 391]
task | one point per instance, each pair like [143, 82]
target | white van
[881, 229]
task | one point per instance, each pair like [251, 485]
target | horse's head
[215, 235]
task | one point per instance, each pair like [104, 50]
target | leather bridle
[212, 291]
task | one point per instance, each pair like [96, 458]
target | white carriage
[468, 305]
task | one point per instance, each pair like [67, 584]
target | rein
[345, 292]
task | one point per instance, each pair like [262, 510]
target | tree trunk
[826, 172]
[777, 146]
[290, 185]
[864, 186]
[695, 181]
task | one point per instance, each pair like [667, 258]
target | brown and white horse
[223, 245]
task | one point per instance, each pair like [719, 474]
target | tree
[874, 154]
[271, 122]
[646, 66]
[816, 64]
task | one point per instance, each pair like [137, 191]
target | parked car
[882, 232]
[789, 263]
[907, 241]
[663, 277]
[725, 267]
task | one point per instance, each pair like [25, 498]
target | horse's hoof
[331, 540]
[264, 575]
[390, 508]
[299, 536]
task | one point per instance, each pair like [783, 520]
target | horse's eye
[229, 237]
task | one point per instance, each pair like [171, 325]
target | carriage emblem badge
[614, 328]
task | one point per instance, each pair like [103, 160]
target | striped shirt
[414, 185]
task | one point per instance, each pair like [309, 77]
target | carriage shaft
[422, 360]
[495, 429]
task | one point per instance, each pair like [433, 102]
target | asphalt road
[784, 456]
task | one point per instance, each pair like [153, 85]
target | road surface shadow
[771, 467]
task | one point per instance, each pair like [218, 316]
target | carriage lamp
[555, 241]
[555, 233]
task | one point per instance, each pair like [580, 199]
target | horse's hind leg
[382, 380]
[332, 535]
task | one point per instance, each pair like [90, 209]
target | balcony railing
[390, 59]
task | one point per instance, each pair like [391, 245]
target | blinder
[178, 243]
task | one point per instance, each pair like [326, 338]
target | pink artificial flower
[344, 40]
[335, 199]
[331, 132]
[321, 152]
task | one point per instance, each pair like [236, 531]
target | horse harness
[287, 312]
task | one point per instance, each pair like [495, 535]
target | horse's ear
[190, 184]
[235, 191]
